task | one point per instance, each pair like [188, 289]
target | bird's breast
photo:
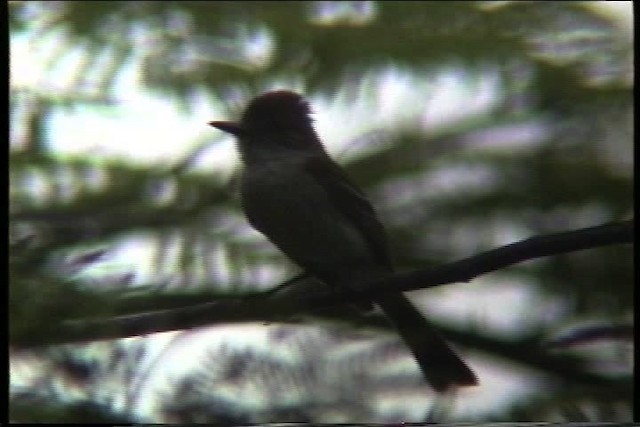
[292, 209]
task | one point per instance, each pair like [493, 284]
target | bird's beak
[230, 127]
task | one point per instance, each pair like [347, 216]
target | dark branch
[303, 295]
[514, 253]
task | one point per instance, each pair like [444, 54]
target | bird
[297, 196]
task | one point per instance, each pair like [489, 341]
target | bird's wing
[352, 203]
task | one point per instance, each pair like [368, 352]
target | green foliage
[444, 191]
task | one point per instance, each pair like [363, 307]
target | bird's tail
[440, 365]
